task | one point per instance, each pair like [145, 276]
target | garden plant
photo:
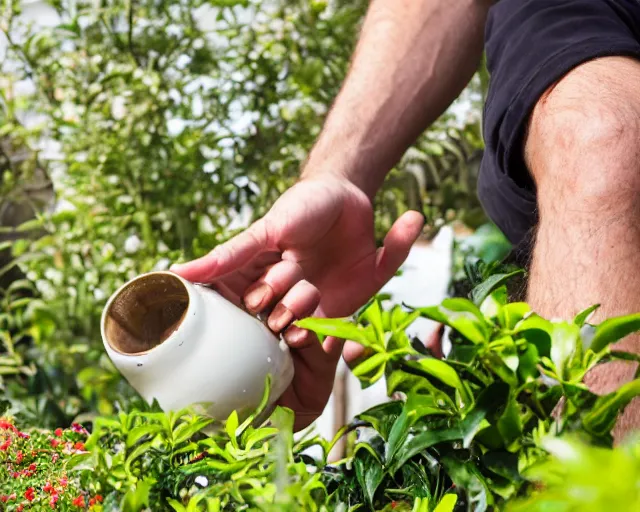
[134, 134]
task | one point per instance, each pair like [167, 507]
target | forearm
[413, 59]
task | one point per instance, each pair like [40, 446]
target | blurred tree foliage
[165, 126]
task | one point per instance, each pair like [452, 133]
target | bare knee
[583, 142]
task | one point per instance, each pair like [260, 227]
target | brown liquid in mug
[146, 313]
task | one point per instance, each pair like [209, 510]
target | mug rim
[105, 312]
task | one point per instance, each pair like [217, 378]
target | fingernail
[280, 318]
[294, 336]
[257, 297]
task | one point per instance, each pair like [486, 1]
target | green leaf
[443, 372]
[484, 289]
[511, 314]
[371, 364]
[231, 427]
[176, 505]
[382, 416]
[80, 462]
[400, 319]
[494, 362]
[137, 433]
[460, 314]
[416, 407]
[468, 477]
[260, 435]
[185, 430]
[490, 400]
[373, 314]
[583, 316]
[342, 329]
[137, 498]
[601, 419]
[502, 463]
[510, 425]
[565, 345]
[613, 330]
[528, 367]
[137, 452]
[447, 503]
[369, 472]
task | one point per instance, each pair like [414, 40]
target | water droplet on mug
[268, 359]
[244, 390]
[139, 364]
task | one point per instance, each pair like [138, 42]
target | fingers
[353, 353]
[299, 302]
[273, 285]
[226, 257]
[297, 298]
[402, 235]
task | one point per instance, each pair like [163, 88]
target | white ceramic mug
[186, 345]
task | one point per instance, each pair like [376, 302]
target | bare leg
[583, 150]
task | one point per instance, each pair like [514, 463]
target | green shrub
[164, 130]
[470, 432]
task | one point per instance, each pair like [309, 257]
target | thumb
[227, 257]
[402, 235]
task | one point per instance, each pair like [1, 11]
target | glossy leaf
[511, 314]
[371, 364]
[416, 407]
[565, 345]
[460, 314]
[447, 503]
[584, 315]
[613, 330]
[602, 416]
[342, 329]
[370, 473]
[141, 431]
[488, 401]
[483, 290]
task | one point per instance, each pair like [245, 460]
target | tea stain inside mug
[146, 313]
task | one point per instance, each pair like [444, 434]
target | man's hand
[318, 237]
[411, 61]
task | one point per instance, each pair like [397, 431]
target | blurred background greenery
[137, 133]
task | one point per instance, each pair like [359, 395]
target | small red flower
[63, 482]
[79, 429]
[99, 498]
[78, 502]
[15, 474]
[53, 500]
[12, 496]
[20, 508]
[58, 432]
[23, 435]
[29, 494]
[55, 443]
[19, 457]
[5, 446]
[4, 498]
[79, 446]
[92, 502]
[32, 467]
[48, 488]
[5, 425]
[55, 457]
